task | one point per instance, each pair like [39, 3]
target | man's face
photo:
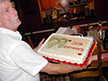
[61, 43]
[52, 43]
[8, 16]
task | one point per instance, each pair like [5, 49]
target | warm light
[63, 2]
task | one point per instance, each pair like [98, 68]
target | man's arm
[52, 68]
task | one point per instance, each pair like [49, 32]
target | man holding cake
[18, 62]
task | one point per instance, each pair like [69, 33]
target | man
[18, 62]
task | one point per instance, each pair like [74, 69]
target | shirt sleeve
[28, 60]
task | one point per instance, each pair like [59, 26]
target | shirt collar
[10, 32]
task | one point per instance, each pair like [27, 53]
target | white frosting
[65, 57]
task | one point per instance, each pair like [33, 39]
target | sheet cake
[73, 50]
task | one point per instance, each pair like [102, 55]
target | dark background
[31, 18]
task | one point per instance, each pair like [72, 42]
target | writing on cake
[74, 48]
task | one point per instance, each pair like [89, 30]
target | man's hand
[39, 45]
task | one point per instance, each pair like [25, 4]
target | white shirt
[18, 62]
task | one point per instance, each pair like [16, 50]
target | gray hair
[2, 1]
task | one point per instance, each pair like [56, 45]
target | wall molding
[49, 30]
